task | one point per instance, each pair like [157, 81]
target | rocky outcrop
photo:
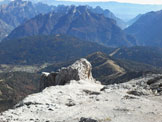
[86, 101]
[47, 79]
[156, 85]
[80, 70]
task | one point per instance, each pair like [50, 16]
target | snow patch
[45, 73]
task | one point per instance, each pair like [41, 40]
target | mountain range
[80, 22]
[17, 12]
[125, 11]
[147, 29]
[97, 10]
[85, 23]
[107, 13]
[126, 63]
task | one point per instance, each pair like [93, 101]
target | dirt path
[113, 53]
[115, 66]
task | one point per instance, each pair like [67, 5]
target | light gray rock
[88, 99]
[80, 70]
[156, 85]
[81, 96]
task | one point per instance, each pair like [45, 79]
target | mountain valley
[147, 29]
[81, 62]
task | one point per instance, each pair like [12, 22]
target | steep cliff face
[147, 29]
[17, 12]
[5, 29]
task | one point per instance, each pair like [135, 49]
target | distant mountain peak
[147, 29]
[80, 22]
[19, 2]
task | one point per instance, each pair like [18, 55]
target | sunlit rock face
[80, 70]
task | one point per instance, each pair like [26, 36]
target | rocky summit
[80, 70]
[79, 99]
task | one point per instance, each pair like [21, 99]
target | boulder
[87, 120]
[80, 70]
[156, 85]
[47, 79]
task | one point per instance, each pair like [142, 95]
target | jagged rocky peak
[80, 70]
[16, 3]
[83, 67]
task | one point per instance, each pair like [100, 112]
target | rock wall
[80, 70]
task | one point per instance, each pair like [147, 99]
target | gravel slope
[85, 98]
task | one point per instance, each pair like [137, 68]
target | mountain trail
[114, 52]
[115, 66]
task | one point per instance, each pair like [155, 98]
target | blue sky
[125, 1]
